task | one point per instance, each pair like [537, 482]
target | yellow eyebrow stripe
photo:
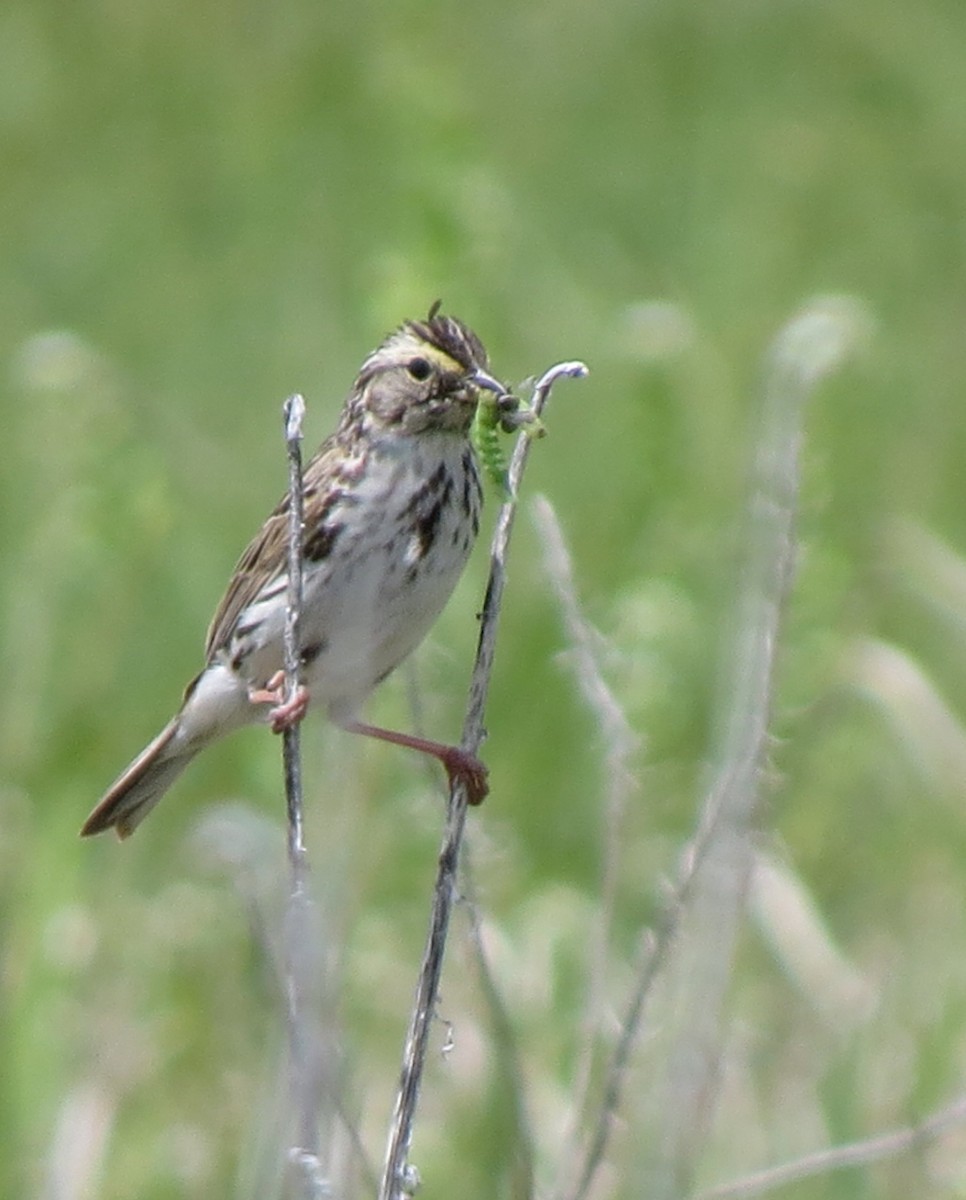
[439, 357]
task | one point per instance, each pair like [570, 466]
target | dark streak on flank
[472, 495]
[439, 481]
[311, 652]
[427, 527]
[318, 545]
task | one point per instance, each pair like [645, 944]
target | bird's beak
[489, 384]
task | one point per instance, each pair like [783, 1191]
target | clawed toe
[290, 713]
[271, 693]
[285, 714]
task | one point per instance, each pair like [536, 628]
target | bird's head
[425, 376]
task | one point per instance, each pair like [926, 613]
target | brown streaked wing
[263, 559]
[266, 555]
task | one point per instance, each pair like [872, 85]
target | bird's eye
[419, 368]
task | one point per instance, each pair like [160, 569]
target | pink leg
[285, 713]
[460, 764]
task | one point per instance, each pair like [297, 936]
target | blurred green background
[206, 207]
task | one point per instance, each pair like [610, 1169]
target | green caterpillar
[495, 414]
[485, 436]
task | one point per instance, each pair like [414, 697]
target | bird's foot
[285, 714]
[466, 768]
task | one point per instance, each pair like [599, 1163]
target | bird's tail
[141, 785]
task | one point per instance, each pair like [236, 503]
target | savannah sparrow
[392, 507]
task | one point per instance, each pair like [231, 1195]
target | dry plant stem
[808, 348]
[657, 944]
[520, 1157]
[838, 1158]
[620, 743]
[398, 1177]
[303, 1050]
[294, 413]
[655, 950]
